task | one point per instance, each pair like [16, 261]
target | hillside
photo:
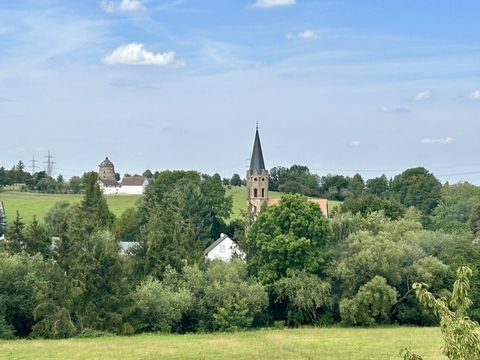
[30, 204]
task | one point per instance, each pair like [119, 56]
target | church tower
[257, 179]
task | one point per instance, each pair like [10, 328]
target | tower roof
[257, 163]
[106, 163]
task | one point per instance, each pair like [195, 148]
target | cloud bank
[474, 95]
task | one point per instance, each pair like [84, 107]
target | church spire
[257, 163]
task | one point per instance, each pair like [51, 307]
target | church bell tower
[257, 179]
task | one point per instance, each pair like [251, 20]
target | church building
[257, 179]
[257, 183]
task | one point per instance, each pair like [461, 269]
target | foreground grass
[310, 343]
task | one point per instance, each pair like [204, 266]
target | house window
[222, 249]
[255, 192]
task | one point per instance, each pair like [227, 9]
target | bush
[370, 305]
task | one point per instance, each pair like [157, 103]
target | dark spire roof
[257, 163]
[106, 163]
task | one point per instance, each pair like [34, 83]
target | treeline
[74, 276]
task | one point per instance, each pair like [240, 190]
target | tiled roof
[133, 180]
[108, 182]
[323, 203]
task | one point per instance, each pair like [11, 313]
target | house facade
[224, 249]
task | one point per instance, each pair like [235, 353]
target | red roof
[323, 203]
[133, 180]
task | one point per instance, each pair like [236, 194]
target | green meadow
[307, 343]
[30, 204]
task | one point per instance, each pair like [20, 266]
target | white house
[110, 187]
[224, 249]
[133, 185]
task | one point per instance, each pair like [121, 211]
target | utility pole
[34, 164]
[49, 163]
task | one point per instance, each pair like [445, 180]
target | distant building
[257, 183]
[108, 181]
[130, 185]
[133, 185]
[224, 249]
[257, 179]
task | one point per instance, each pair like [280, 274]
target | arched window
[255, 179]
[263, 192]
[255, 192]
[263, 179]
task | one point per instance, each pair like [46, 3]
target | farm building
[130, 185]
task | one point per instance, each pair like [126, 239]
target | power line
[34, 164]
[49, 163]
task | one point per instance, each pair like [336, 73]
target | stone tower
[257, 179]
[106, 170]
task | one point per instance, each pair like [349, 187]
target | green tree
[371, 305]
[460, 333]
[378, 186]
[417, 187]
[292, 236]
[306, 296]
[236, 180]
[392, 208]
[159, 306]
[16, 239]
[37, 239]
[356, 185]
[126, 227]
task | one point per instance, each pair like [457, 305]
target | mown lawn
[30, 204]
[310, 343]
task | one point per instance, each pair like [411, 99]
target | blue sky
[340, 86]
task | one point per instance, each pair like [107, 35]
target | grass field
[310, 343]
[30, 204]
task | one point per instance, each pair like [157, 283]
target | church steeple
[257, 163]
[257, 178]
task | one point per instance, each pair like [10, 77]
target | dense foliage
[71, 275]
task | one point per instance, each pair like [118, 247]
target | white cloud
[393, 110]
[474, 95]
[265, 4]
[124, 5]
[355, 143]
[444, 141]
[307, 35]
[135, 54]
[423, 95]
[304, 35]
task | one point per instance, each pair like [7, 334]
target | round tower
[106, 170]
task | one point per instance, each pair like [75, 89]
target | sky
[342, 86]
